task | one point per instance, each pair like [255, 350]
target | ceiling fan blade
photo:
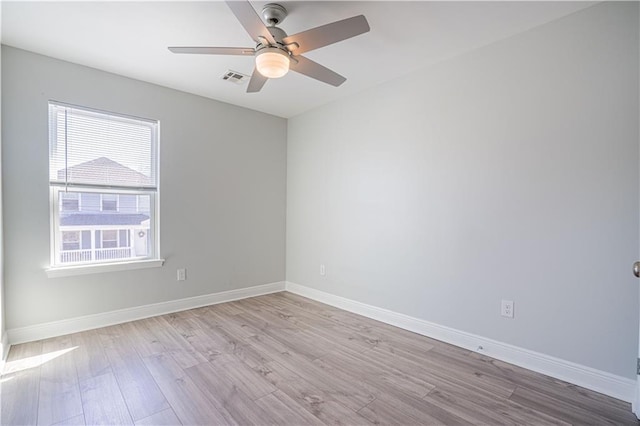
[245, 51]
[256, 82]
[315, 70]
[327, 34]
[250, 20]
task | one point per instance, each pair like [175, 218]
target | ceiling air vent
[235, 77]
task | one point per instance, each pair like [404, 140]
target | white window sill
[66, 271]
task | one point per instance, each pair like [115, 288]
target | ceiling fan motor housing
[274, 13]
[278, 34]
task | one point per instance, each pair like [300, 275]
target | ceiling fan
[276, 52]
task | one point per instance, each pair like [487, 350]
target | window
[114, 238]
[70, 240]
[70, 202]
[109, 239]
[109, 202]
[103, 175]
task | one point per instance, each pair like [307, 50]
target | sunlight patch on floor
[33, 361]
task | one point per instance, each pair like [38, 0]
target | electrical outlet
[182, 274]
[323, 270]
[507, 308]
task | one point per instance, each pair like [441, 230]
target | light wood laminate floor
[279, 359]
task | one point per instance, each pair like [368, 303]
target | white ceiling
[131, 39]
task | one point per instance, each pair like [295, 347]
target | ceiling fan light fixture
[272, 62]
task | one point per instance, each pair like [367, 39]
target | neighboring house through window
[104, 183]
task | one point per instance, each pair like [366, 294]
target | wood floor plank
[174, 343]
[291, 334]
[438, 373]
[384, 379]
[491, 412]
[250, 355]
[285, 410]
[264, 321]
[343, 337]
[302, 303]
[20, 385]
[190, 404]
[211, 343]
[303, 343]
[184, 322]
[227, 309]
[548, 404]
[89, 356]
[391, 395]
[219, 387]
[74, 421]
[352, 395]
[313, 399]
[146, 342]
[141, 393]
[260, 306]
[205, 317]
[59, 396]
[235, 325]
[102, 401]
[253, 384]
[382, 411]
[312, 323]
[163, 418]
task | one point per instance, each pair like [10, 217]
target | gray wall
[222, 192]
[508, 173]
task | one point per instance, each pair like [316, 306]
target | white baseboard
[600, 381]
[4, 350]
[89, 322]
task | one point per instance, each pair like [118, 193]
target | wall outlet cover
[182, 274]
[506, 309]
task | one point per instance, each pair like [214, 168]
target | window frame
[152, 259]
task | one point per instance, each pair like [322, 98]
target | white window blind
[90, 148]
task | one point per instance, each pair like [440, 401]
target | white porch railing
[69, 256]
[113, 253]
[74, 256]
